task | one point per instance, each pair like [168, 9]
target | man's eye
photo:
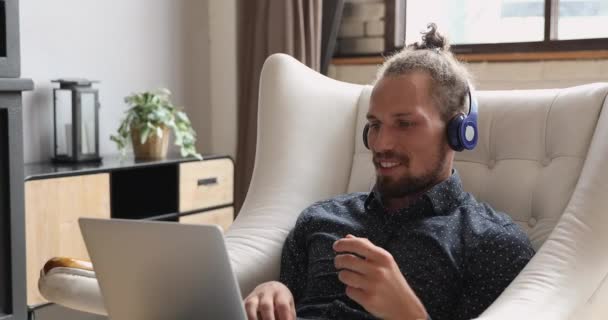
[374, 125]
[405, 124]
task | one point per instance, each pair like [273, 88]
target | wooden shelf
[493, 57]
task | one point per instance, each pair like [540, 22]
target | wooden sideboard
[177, 190]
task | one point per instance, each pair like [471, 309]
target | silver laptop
[162, 270]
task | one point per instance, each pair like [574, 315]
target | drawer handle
[207, 181]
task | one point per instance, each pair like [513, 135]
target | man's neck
[394, 204]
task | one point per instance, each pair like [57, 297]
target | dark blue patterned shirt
[457, 254]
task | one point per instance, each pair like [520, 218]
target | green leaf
[144, 135]
[178, 138]
[182, 117]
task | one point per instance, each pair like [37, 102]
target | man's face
[407, 136]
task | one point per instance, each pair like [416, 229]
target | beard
[406, 185]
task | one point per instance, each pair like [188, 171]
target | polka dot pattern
[457, 254]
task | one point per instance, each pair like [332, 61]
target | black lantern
[76, 122]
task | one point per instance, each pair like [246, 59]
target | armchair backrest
[532, 147]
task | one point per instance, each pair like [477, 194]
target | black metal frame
[77, 155]
[537, 46]
[78, 98]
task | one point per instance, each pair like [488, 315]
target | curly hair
[450, 79]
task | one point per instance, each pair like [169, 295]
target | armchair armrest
[298, 109]
[566, 279]
[71, 283]
[64, 262]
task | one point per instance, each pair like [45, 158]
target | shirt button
[532, 222]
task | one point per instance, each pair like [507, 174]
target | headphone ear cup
[453, 130]
[365, 131]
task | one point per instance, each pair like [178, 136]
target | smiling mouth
[388, 164]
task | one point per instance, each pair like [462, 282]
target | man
[417, 246]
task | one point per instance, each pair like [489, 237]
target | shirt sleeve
[294, 264]
[492, 267]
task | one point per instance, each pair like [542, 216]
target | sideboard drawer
[204, 184]
[222, 217]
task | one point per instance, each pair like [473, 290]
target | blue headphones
[461, 130]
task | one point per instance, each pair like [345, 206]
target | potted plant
[148, 123]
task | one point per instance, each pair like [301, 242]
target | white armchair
[540, 158]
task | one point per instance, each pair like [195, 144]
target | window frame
[395, 20]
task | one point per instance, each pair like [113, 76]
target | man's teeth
[388, 164]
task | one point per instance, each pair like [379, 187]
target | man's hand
[270, 301]
[373, 280]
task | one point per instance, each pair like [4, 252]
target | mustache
[390, 156]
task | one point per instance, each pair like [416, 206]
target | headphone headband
[472, 100]
[462, 130]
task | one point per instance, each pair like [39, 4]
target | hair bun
[432, 40]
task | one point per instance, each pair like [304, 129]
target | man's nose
[384, 140]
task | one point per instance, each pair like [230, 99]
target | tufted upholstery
[540, 158]
[529, 156]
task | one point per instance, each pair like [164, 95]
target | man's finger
[359, 246]
[266, 307]
[251, 307]
[357, 295]
[352, 263]
[283, 308]
[292, 305]
[352, 279]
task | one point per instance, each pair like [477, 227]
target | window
[474, 21]
[512, 25]
[580, 19]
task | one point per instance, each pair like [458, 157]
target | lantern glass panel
[63, 123]
[87, 123]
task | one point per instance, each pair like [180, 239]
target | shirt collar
[442, 197]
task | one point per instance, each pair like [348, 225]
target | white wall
[128, 45]
[505, 75]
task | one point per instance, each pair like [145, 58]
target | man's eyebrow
[396, 115]
[402, 114]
